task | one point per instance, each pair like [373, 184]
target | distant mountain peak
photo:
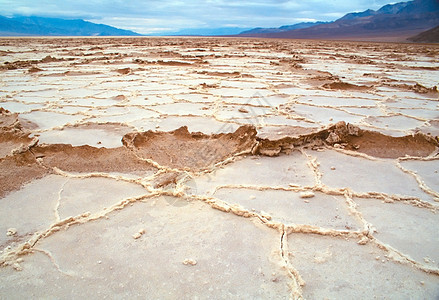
[354, 15]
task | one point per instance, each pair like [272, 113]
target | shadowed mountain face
[391, 22]
[31, 26]
[429, 36]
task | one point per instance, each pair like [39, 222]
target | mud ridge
[89, 159]
[22, 64]
[350, 137]
[191, 151]
[13, 138]
[180, 150]
[23, 160]
[339, 85]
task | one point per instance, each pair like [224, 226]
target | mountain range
[37, 26]
[261, 30]
[392, 22]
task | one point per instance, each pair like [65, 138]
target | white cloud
[147, 25]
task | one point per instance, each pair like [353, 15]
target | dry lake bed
[221, 168]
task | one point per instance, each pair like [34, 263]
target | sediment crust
[18, 170]
[89, 159]
[181, 150]
[350, 137]
[193, 151]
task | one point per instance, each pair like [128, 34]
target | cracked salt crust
[286, 206]
[409, 229]
[382, 176]
[318, 257]
[153, 265]
[236, 227]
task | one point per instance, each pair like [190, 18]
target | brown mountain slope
[429, 36]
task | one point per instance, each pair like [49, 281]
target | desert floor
[307, 169]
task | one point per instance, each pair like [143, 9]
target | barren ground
[194, 168]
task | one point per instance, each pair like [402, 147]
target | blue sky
[162, 16]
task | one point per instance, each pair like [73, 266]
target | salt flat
[195, 168]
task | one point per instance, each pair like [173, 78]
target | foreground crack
[297, 281]
[8, 257]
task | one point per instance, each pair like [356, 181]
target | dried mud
[90, 159]
[350, 137]
[338, 85]
[227, 168]
[180, 148]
